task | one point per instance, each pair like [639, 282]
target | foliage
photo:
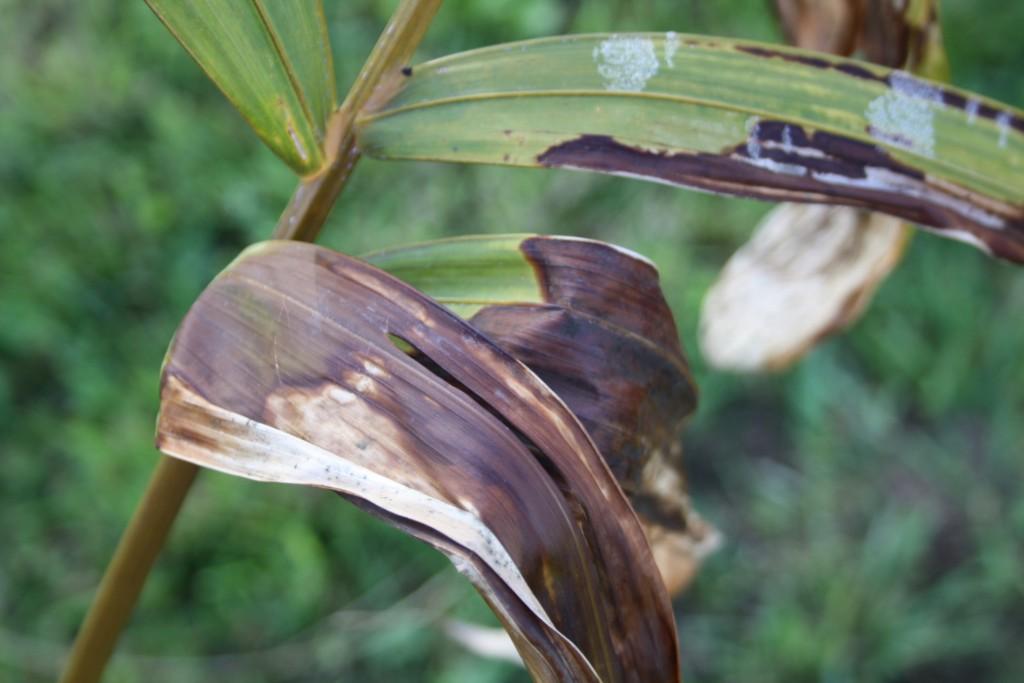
[867, 496]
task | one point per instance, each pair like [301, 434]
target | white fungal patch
[756, 147]
[374, 369]
[754, 137]
[303, 154]
[626, 63]
[904, 116]
[884, 180]
[777, 166]
[339, 395]
[905, 84]
[364, 384]
[1003, 121]
[671, 47]
[972, 111]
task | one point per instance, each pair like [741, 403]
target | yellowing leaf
[272, 60]
[725, 116]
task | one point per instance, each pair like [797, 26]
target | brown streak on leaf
[599, 280]
[327, 381]
[842, 176]
[852, 68]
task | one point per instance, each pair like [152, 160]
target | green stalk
[302, 220]
[315, 196]
[127, 571]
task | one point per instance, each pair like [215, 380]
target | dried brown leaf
[286, 370]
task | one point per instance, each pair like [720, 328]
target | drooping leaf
[823, 25]
[907, 35]
[726, 116]
[810, 271]
[271, 59]
[286, 369]
[590, 319]
[904, 35]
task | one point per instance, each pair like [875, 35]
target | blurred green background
[871, 498]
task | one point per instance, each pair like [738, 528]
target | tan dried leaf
[807, 272]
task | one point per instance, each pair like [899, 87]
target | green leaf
[725, 116]
[286, 370]
[273, 62]
[466, 273]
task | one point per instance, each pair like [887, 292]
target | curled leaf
[273, 62]
[904, 34]
[823, 25]
[590, 319]
[807, 272]
[287, 369]
[726, 116]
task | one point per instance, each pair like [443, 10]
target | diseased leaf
[807, 272]
[905, 34]
[726, 116]
[286, 369]
[822, 25]
[895, 34]
[590, 319]
[273, 62]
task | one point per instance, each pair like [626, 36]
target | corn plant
[516, 401]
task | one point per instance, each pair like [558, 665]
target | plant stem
[302, 220]
[122, 582]
[315, 196]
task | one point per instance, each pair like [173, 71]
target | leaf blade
[725, 116]
[284, 366]
[271, 60]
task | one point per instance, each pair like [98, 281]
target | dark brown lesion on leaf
[300, 340]
[848, 68]
[602, 281]
[631, 398]
[818, 167]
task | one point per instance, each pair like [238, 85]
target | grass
[870, 497]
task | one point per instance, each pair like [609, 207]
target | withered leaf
[590, 319]
[823, 25]
[807, 272]
[903, 34]
[286, 370]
